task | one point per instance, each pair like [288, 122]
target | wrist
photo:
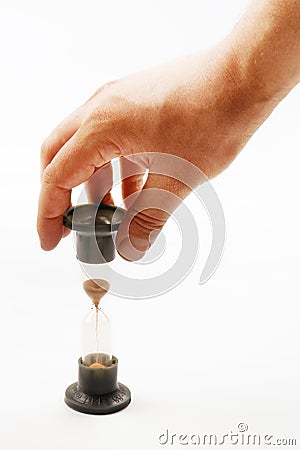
[246, 99]
[266, 46]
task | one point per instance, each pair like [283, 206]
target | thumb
[146, 217]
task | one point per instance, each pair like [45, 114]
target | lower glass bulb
[96, 339]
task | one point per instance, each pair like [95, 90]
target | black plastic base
[97, 404]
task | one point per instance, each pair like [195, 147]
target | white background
[200, 359]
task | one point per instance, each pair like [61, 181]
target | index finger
[59, 136]
[74, 164]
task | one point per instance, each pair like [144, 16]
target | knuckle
[104, 87]
[99, 116]
[112, 115]
[134, 182]
[107, 126]
[149, 220]
[108, 152]
[109, 111]
[48, 176]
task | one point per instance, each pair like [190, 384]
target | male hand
[202, 109]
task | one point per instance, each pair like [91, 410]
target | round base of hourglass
[97, 404]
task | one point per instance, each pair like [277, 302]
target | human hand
[202, 109]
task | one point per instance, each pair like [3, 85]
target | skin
[203, 108]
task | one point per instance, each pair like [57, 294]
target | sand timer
[97, 390]
[95, 327]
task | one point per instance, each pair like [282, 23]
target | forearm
[266, 47]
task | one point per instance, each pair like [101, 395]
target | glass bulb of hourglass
[96, 339]
[95, 328]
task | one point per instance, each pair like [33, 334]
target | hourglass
[97, 390]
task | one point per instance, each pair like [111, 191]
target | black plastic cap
[95, 226]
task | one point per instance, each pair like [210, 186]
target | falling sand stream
[96, 289]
